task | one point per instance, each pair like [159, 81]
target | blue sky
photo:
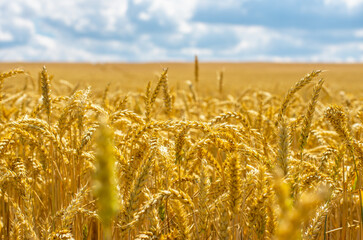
[176, 30]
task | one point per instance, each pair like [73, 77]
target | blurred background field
[275, 77]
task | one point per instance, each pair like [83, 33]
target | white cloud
[53, 50]
[6, 37]
[220, 4]
[80, 15]
[144, 16]
[348, 3]
[348, 52]
[15, 8]
[113, 11]
[204, 52]
[175, 11]
[359, 33]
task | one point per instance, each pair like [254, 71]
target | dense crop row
[179, 165]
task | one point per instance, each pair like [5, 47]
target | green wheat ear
[105, 180]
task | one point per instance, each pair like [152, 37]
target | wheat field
[175, 161]
[271, 77]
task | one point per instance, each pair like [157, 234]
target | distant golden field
[237, 76]
[192, 151]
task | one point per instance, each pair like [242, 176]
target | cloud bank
[176, 30]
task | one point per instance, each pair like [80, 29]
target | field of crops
[188, 160]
